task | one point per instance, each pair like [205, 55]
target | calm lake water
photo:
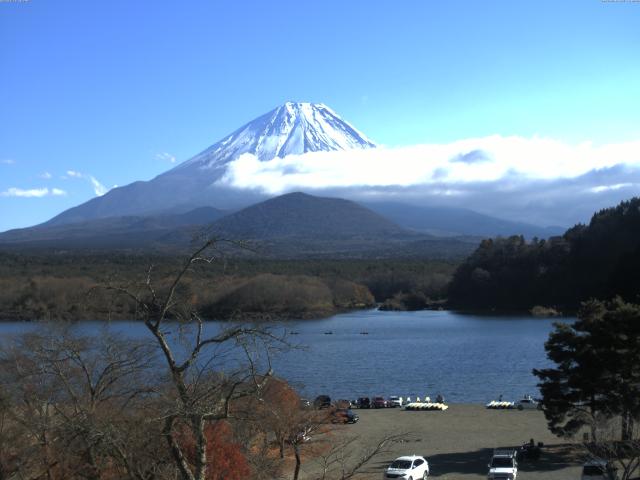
[467, 358]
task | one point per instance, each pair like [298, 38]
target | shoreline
[307, 316]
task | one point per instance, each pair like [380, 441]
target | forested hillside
[599, 260]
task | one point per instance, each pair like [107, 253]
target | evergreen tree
[597, 371]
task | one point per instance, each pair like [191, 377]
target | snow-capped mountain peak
[291, 129]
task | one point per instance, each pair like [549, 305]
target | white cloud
[45, 175]
[495, 159]
[98, 188]
[8, 161]
[536, 180]
[30, 193]
[608, 188]
[167, 157]
[58, 192]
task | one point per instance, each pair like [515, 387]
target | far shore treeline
[599, 260]
[63, 286]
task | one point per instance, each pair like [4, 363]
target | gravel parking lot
[458, 443]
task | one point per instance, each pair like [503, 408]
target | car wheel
[424, 475]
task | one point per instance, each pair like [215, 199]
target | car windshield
[402, 464]
[593, 470]
[501, 462]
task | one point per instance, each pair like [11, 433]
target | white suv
[408, 468]
[503, 466]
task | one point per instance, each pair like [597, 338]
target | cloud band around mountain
[494, 172]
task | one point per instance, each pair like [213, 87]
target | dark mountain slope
[302, 215]
[109, 233]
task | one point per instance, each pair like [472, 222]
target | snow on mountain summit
[293, 128]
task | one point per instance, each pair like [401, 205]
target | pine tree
[597, 373]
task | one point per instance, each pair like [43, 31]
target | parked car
[408, 468]
[528, 403]
[364, 402]
[322, 401]
[378, 402]
[598, 469]
[344, 415]
[503, 465]
[394, 401]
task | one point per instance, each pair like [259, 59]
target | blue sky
[96, 94]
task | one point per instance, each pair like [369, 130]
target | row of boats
[526, 402]
[426, 406]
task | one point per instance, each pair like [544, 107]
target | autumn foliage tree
[225, 458]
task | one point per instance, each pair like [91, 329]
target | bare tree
[344, 459]
[622, 456]
[203, 384]
[74, 401]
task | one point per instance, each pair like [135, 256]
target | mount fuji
[163, 213]
[292, 128]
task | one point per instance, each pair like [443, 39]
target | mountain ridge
[444, 221]
[294, 225]
[292, 128]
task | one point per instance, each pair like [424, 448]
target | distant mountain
[130, 232]
[294, 225]
[450, 221]
[293, 128]
[301, 215]
[300, 225]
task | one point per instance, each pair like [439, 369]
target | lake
[467, 358]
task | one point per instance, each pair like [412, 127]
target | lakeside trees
[596, 381]
[599, 260]
[597, 369]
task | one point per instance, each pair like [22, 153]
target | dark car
[378, 402]
[364, 402]
[322, 401]
[345, 415]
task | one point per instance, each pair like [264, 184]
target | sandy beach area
[458, 443]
